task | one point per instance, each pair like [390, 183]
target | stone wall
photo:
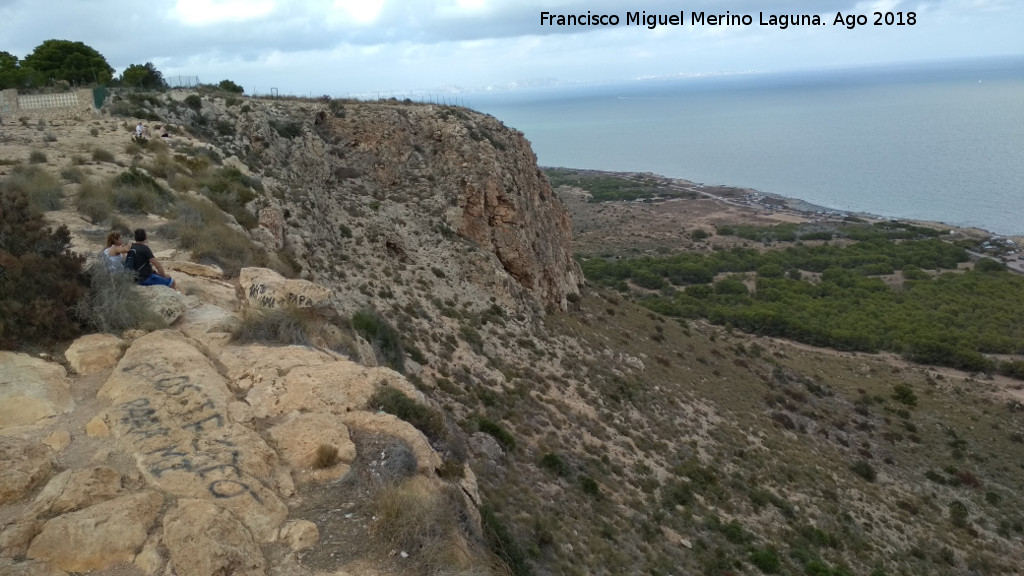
[50, 106]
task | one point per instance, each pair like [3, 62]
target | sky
[394, 47]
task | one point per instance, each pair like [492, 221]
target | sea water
[941, 142]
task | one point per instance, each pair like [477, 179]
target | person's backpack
[129, 263]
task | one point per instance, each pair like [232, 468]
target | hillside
[604, 438]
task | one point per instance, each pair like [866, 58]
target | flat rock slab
[31, 389]
[94, 353]
[265, 288]
[100, 536]
[23, 465]
[170, 410]
[203, 539]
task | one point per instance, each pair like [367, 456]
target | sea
[941, 141]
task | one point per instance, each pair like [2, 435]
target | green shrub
[766, 560]
[101, 155]
[200, 227]
[554, 463]
[503, 436]
[387, 344]
[194, 102]
[904, 394]
[427, 420]
[864, 470]
[73, 174]
[37, 157]
[41, 280]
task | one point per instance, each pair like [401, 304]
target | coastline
[763, 208]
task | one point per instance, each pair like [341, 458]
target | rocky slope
[604, 438]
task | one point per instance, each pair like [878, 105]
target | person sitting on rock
[140, 259]
[112, 253]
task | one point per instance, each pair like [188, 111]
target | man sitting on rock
[140, 259]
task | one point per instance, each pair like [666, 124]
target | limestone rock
[206, 318]
[149, 560]
[14, 541]
[94, 352]
[23, 465]
[203, 539]
[100, 536]
[167, 302]
[240, 412]
[256, 363]
[76, 489]
[31, 389]
[272, 220]
[28, 568]
[300, 437]
[97, 427]
[58, 440]
[194, 269]
[300, 535]
[265, 288]
[170, 412]
[335, 387]
[427, 461]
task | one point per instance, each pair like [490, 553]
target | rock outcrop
[199, 447]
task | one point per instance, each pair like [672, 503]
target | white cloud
[207, 12]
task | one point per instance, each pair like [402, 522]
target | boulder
[204, 539]
[300, 437]
[15, 539]
[194, 269]
[337, 387]
[167, 302]
[94, 353]
[23, 465]
[100, 536]
[300, 535]
[264, 288]
[58, 440]
[76, 489]
[31, 389]
[170, 411]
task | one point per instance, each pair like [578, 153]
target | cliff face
[401, 178]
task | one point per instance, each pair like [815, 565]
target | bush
[200, 227]
[41, 281]
[554, 464]
[194, 102]
[36, 157]
[503, 436]
[904, 394]
[112, 305]
[288, 326]
[864, 470]
[101, 155]
[425, 419]
[387, 344]
[39, 187]
[417, 517]
[766, 560]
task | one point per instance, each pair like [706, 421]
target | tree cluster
[949, 318]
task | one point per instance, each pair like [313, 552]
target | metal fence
[182, 81]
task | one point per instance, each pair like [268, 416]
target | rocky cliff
[421, 183]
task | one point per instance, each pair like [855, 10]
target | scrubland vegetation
[836, 296]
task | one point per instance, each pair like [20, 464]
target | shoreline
[771, 202]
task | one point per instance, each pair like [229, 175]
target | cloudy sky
[356, 47]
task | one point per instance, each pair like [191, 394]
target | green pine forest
[834, 294]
